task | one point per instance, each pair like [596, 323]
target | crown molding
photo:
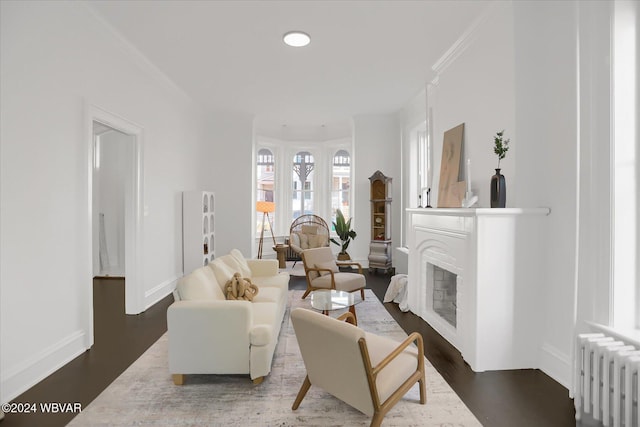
[462, 43]
[138, 57]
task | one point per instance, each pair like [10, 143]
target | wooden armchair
[369, 372]
[322, 272]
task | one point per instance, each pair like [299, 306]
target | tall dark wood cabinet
[380, 247]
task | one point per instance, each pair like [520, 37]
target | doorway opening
[115, 207]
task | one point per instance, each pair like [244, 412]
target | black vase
[498, 190]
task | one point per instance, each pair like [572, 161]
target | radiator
[606, 380]
[291, 254]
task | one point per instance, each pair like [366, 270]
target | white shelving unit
[198, 229]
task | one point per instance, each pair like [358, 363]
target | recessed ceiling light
[296, 38]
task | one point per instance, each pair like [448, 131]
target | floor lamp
[265, 208]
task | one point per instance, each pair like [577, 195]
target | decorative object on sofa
[307, 232]
[470, 199]
[345, 234]
[498, 182]
[198, 233]
[380, 246]
[240, 288]
[369, 373]
[450, 190]
[322, 272]
[266, 208]
[209, 334]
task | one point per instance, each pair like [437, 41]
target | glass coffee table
[327, 300]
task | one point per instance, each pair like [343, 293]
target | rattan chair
[306, 232]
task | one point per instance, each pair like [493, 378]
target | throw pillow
[240, 288]
[328, 265]
[309, 229]
[316, 240]
[304, 240]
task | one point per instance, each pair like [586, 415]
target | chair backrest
[308, 231]
[332, 357]
[312, 258]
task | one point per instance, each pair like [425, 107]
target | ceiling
[365, 57]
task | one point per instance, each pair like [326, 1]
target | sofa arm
[263, 267]
[209, 336]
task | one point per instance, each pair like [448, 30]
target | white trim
[137, 56]
[152, 296]
[134, 288]
[34, 369]
[556, 364]
[461, 44]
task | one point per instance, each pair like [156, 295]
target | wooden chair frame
[381, 409]
[308, 270]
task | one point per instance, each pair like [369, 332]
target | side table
[281, 250]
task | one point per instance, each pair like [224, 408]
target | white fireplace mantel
[496, 256]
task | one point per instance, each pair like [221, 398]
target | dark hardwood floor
[522, 398]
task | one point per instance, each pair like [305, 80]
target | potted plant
[345, 233]
[498, 183]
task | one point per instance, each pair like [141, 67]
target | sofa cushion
[280, 281]
[245, 270]
[267, 294]
[199, 285]
[231, 263]
[328, 265]
[222, 272]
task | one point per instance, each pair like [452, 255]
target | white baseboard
[556, 364]
[23, 376]
[155, 294]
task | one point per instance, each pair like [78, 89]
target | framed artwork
[450, 190]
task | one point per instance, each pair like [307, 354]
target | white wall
[547, 131]
[475, 86]
[515, 68]
[56, 58]
[377, 146]
[229, 173]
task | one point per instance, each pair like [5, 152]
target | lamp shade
[265, 207]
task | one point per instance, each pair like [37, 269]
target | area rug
[144, 395]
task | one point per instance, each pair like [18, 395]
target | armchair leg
[178, 379]
[423, 391]
[302, 393]
[258, 380]
[376, 421]
[362, 293]
[306, 293]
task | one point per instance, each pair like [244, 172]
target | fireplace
[442, 293]
[473, 277]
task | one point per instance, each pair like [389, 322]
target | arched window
[303, 166]
[341, 184]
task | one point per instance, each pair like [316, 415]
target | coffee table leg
[352, 310]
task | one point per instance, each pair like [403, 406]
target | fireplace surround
[490, 259]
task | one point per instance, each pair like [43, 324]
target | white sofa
[209, 334]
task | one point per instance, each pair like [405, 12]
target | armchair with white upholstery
[322, 272]
[369, 372]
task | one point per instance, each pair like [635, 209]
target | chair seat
[347, 282]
